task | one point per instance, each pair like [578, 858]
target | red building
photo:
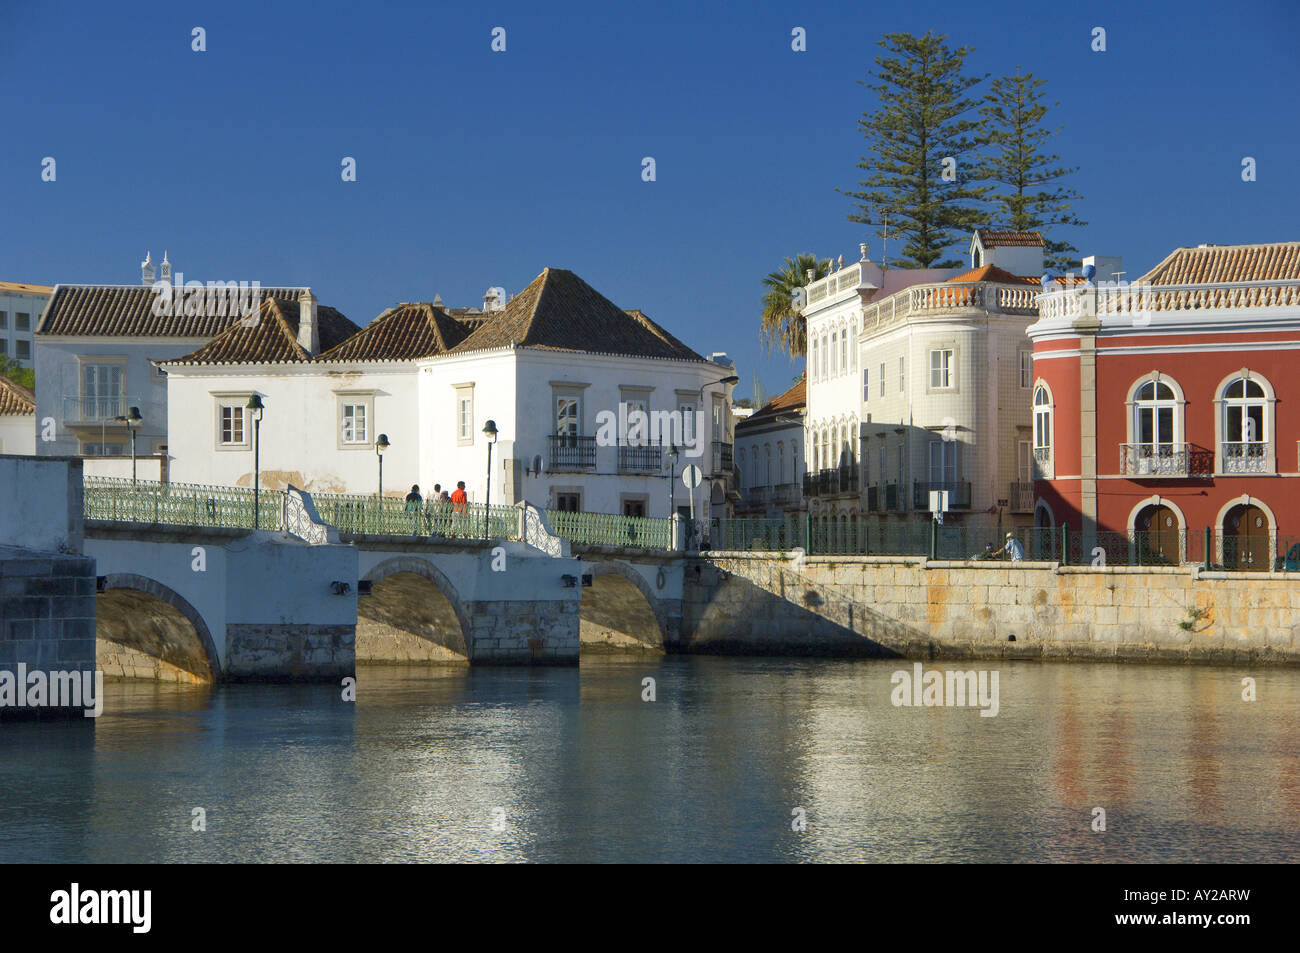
[1160, 408]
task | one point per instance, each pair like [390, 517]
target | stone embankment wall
[47, 611]
[911, 607]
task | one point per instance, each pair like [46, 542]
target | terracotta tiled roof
[994, 273]
[127, 311]
[559, 311]
[22, 287]
[795, 399]
[274, 340]
[1215, 264]
[406, 332]
[991, 238]
[15, 398]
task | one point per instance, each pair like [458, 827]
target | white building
[833, 417]
[769, 456]
[562, 371]
[923, 384]
[97, 348]
[17, 418]
[21, 305]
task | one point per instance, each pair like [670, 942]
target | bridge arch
[163, 640]
[620, 609]
[399, 622]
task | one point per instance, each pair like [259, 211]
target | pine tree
[1028, 192]
[919, 123]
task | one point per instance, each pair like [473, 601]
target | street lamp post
[381, 445]
[490, 430]
[731, 379]
[133, 420]
[671, 456]
[255, 406]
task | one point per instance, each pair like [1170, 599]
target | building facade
[769, 456]
[918, 382]
[1161, 408]
[21, 305]
[98, 349]
[586, 399]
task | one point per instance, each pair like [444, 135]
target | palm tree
[781, 327]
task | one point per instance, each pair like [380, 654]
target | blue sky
[477, 168]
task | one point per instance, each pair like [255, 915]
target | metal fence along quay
[185, 504]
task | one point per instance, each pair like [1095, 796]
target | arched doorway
[1246, 533]
[1158, 536]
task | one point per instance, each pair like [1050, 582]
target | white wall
[17, 433]
[58, 375]
[515, 388]
[299, 437]
[41, 503]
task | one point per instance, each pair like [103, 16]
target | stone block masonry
[287, 652]
[914, 608]
[47, 611]
[541, 632]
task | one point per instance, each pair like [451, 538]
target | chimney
[308, 329]
[165, 269]
[146, 271]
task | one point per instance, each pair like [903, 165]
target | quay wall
[742, 603]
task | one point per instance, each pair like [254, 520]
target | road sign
[691, 476]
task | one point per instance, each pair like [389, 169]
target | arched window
[813, 363]
[753, 460]
[767, 464]
[1153, 450]
[794, 461]
[1042, 433]
[780, 462]
[1245, 427]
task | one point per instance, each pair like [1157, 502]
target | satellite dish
[1089, 272]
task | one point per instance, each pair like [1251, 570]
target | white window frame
[464, 414]
[245, 424]
[945, 368]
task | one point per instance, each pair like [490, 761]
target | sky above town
[477, 168]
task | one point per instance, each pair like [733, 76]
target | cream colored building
[920, 380]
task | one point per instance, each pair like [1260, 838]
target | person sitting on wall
[1011, 548]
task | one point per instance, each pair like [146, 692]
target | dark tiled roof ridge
[15, 399]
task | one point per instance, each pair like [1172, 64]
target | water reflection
[573, 765]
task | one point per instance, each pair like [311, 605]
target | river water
[451, 764]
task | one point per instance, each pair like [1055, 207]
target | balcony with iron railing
[1043, 466]
[1021, 498]
[1248, 457]
[1164, 460]
[958, 493]
[647, 458]
[97, 410]
[723, 458]
[571, 452]
[894, 501]
[785, 494]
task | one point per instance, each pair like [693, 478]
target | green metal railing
[605, 529]
[180, 504]
[365, 514]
